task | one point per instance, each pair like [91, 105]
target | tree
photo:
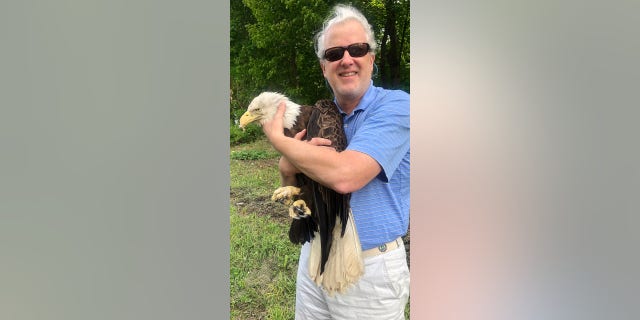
[390, 22]
[272, 47]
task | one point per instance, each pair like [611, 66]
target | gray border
[548, 90]
[114, 189]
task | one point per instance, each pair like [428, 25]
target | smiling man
[374, 168]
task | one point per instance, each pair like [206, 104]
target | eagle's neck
[291, 114]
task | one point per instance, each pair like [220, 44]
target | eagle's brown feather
[325, 121]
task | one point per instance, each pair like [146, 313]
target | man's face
[349, 77]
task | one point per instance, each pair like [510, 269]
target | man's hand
[316, 141]
[320, 142]
[274, 129]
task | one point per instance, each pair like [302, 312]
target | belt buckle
[382, 247]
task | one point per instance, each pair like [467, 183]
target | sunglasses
[356, 50]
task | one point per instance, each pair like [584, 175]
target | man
[374, 168]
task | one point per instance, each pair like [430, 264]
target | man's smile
[348, 74]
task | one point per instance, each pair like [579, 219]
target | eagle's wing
[329, 126]
[326, 122]
[301, 230]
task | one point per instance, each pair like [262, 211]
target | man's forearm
[343, 172]
[311, 160]
[287, 172]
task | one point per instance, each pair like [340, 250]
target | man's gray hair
[340, 14]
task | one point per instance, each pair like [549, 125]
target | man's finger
[281, 109]
[300, 134]
[276, 121]
[320, 141]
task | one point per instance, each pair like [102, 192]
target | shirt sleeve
[384, 133]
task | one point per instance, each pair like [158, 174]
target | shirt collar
[366, 100]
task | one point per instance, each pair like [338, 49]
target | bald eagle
[335, 261]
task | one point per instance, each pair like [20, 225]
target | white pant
[380, 294]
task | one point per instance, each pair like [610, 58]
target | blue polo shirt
[379, 127]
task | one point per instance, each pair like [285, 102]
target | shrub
[250, 134]
[253, 155]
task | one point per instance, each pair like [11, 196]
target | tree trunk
[382, 64]
[393, 54]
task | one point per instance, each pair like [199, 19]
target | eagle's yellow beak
[247, 118]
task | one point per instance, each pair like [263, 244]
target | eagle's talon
[285, 194]
[299, 210]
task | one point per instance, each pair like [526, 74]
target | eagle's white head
[264, 107]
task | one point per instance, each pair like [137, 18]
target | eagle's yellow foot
[285, 195]
[299, 210]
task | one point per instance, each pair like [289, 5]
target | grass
[263, 268]
[252, 155]
[263, 263]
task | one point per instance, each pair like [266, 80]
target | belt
[383, 248]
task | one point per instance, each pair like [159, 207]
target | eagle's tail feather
[344, 212]
[323, 200]
[344, 266]
[314, 260]
[301, 230]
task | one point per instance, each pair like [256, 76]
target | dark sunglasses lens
[358, 50]
[334, 54]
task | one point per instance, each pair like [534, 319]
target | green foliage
[272, 47]
[253, 155]
[250, 134]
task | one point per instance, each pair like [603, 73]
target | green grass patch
[263, 263]
[253, 180]
[263, 268]
[261, 144]
[253, 155]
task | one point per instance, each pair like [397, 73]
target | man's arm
[343, 172]
[287, 172]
